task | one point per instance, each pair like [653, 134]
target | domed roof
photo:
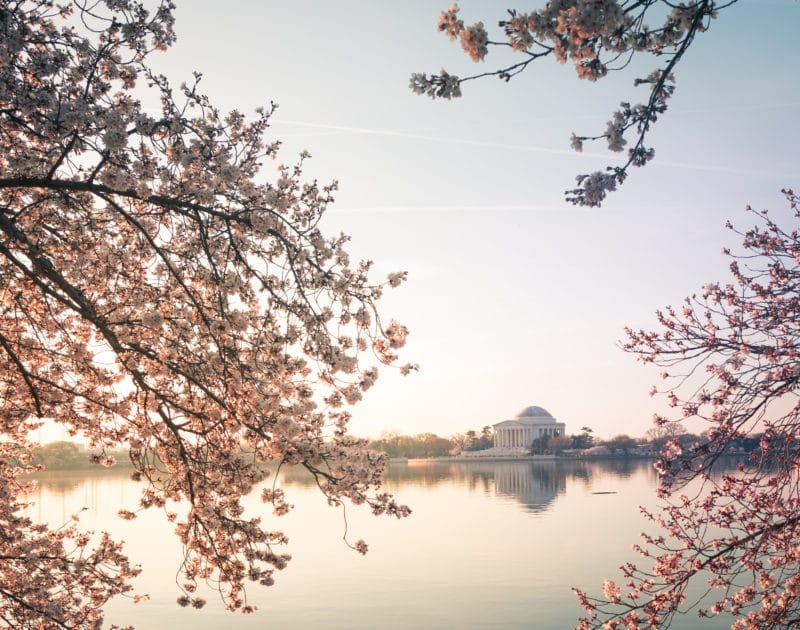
[534, 412]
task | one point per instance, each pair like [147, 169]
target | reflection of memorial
[535, 486]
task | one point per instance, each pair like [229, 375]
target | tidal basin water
[489, 545]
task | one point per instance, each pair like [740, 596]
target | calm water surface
[489, 545]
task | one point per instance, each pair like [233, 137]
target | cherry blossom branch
[158, 295]
[740, 529]
[585, 34]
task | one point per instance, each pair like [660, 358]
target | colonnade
[520, 436]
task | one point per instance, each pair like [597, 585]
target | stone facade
[530, 424]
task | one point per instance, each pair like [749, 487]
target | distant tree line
[414, 446]
[425, 445]
[65, 455]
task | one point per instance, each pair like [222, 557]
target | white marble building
[530, 424]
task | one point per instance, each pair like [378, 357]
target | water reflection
[541, 528]
[534, 485]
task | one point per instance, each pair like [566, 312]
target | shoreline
[517, 458]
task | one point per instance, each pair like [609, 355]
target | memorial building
[532, 423]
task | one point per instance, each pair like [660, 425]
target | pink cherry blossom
[595, 37]
[159, 293]
[737, 532]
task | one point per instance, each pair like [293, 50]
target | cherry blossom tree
[156, 294]
[596, 37]
[731, 359]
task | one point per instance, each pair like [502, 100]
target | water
[489, 545]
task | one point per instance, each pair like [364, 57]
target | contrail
[754, 172]
[733, 170]
[460, 209]
[419, 136]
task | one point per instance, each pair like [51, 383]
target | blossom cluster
[596, 37]
[51, 577]
[731, 359]
[443, 85]
[162, 294]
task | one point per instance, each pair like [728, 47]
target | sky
[514, 297]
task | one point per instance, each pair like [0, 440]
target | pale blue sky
[514, 297]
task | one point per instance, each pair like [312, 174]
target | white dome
[534, 412]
